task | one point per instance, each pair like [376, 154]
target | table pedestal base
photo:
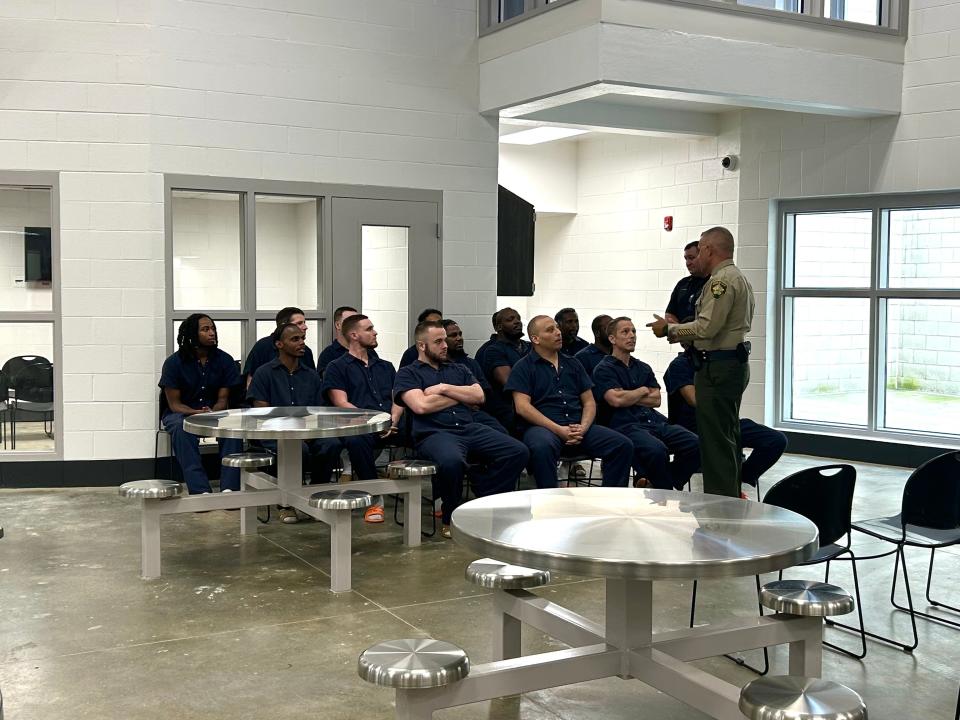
[625, 647]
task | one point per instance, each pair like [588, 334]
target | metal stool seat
[410, 468]
[806, 597]
[340, 499]
[248, 460]
[490, 573]
[788, 697]
[413, 663]
[151, 489]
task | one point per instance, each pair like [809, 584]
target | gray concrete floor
[244, 627]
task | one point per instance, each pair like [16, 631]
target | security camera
[729, 162]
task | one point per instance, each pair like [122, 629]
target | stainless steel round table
[631, 538]
[288, 426]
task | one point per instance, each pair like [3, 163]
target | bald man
[553, 397]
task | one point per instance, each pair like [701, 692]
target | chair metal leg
[937, 603]
[860, 630]
[738, 660]
[398, 521]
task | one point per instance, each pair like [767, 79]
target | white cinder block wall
[114, 94]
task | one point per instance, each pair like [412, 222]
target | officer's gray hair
[721, 239]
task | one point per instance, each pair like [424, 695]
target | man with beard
[338, 347]
[569, 323]
[498, 359]
[455, 353]
[284, 381]
[683, 299]
[360, 379]
[631, 390]
[553, 398]
[600, 348]
[441, 395]
[265, 350]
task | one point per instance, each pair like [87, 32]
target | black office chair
[929, 518]
[30, 389]
[824, 495]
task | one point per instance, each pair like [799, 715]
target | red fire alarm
[668, 223]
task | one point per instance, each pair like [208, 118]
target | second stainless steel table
[289, 427]
[631, 538]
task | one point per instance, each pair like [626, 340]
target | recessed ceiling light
[537, 135]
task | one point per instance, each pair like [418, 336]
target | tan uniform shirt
[724, 311]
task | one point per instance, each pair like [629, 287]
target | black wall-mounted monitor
[37, 255]
[516, 222]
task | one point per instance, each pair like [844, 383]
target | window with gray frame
[869, 315]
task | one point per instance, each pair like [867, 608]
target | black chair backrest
[12, 367]
[34, 383]
[823, 495]
[931, 496]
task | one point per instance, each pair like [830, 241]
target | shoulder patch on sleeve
[718, 288]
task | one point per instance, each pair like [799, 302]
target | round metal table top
[286, 423]
[634, 534]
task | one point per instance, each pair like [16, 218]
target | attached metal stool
[807, 598]
[416, 663]
[490, 573]
[340, 500]
[151, 489]
[399, 469]
[249, 460]
[788, 697]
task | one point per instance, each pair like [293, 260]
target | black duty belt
[700, 357]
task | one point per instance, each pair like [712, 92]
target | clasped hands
[572, 434]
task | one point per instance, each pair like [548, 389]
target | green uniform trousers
[719, 386]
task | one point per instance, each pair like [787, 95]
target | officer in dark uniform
[599, 348]
[440, 395]
[683, 299]
[411, 354]
[767, 444]
[554, 400]
[339, 346]
[569, 323]
[721, 353]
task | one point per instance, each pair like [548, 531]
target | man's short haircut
[283, 317]
[338, 313]
[421, 331]
[722, 239]
[278, 333]
[428, 311]
[448, 322]
[494, 319]
[351, 324]
[614, 324]
[694, 244]
[598, 326]
[532, 328]
[560, 313]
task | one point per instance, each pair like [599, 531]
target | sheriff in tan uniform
[720, 354]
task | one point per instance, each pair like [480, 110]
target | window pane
[831, 250]
[923, 366]
[860, 11]
[925, 248]
[26, 401]
[229, 337]
[265, 327]
[510, 9]
[830, 341]
[787, 5]
[25, 249]
[207, 265]
[384, 292]
[286, 252]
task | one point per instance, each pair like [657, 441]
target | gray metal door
[386, 261]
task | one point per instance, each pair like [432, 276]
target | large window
[869, 315]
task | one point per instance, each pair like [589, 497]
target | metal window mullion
[814, 8]
[248, 295]
[780, 406]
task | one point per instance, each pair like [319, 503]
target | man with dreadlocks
[197, 379]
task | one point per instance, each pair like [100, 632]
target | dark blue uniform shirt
[503, 354]
[199, 384]
[409, 355]
[367, 386]
[419, 375]
[478, 355]
[555, 392]
[473, 366]
[276, 386]
[683, 299]
[610, 374]
[264, 350]
[575, 346]
[589, 357]
[680, 373]
[330, 353]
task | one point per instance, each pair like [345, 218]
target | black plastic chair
[929, 518]
[824, 495]
[29, 389]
